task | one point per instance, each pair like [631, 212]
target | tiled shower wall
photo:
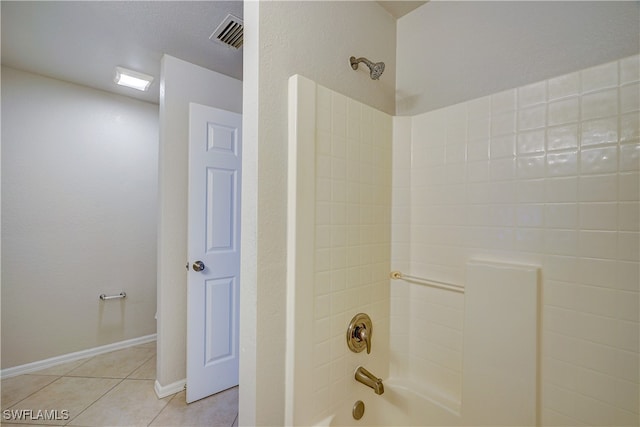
[353, 243]
[545, 174]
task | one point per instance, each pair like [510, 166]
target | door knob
[198, 266]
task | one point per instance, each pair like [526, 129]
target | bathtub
[398, 406]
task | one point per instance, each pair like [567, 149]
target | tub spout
[367, 378]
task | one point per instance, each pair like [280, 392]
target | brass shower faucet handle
[359, 333]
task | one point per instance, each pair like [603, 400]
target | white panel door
[215, 159]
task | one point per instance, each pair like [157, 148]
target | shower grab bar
[397, 275]
[104, 297]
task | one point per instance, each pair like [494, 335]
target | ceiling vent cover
[229, 32]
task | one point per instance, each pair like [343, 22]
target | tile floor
[112, 389]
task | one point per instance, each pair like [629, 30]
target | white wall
[181, 84]
[79, 184]
[314, 39]
[449, 52]
[545, 174]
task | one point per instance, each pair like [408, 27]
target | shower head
[376, 69]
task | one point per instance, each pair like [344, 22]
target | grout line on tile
[101, 396]
[82, 364]
[26, 397]
[141, 365]
[163, 408]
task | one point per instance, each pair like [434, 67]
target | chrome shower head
[375, 69]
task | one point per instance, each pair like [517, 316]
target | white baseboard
[168, 390]
[70, 357]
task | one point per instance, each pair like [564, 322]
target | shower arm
[355, 62]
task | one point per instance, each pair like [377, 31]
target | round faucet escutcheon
[359, 333]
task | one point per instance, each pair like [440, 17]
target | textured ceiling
[82, 42]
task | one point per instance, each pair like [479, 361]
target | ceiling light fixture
[132, 79]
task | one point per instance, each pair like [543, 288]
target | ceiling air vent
[229, 32]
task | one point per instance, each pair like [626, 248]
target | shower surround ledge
[501, 372]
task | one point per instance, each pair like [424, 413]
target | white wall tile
[561, 215]
[531, 190]
[551, 176]
[561, 242]
[598, 244]
[478, 171]
[562, 189]
[479, 128]
[339, 115]
[560, 268]
[502, 146]
[562, 137]
[630, 98]
[600, 131]
[626, 418]
[629, 246]
[597, 272]
[596, 300]
[562, 164]
[593, 411]
[625, 395]
[554, 418]
[478, 150]
[629, 186]
[560, 294]
[564, 111]
[503, 123]
[602, 358]
[595, 384]
[599, 77]
[353, 200]
[627, 306]
[562, 347]
[559, 400]
[503, 101]
[630, 69]
[455, 153]
[619, 334]
[532, 94]
[531, 142]
[599, 160]
[563, 86]
[600, 104]
[457, 132]
[598, 188]
[479, 108]
[629, 216]
[629, 157]
[529, 240]
[531, 166]
[530, 215]
[533, 117]
[501, 169]
[599, 216]
[629, 127]
[562, 321]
